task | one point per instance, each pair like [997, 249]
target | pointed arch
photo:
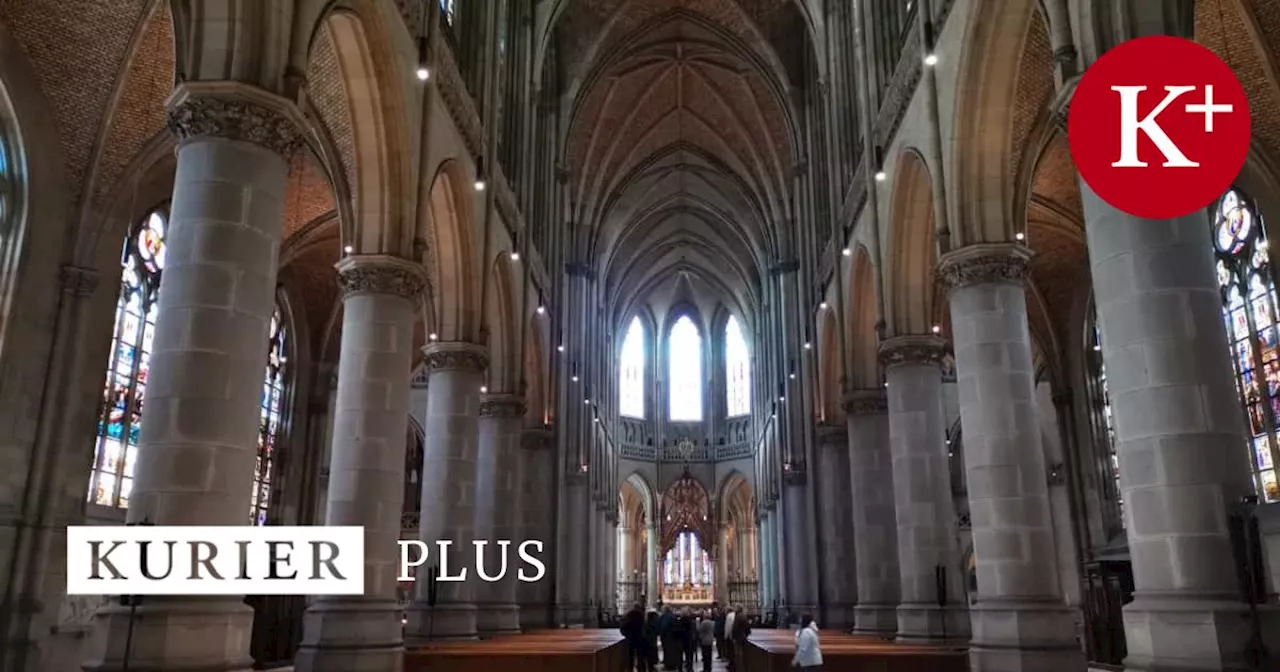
[647, 496]
[912, 251]
[632, 361]
[737, 362]
[864, 368]
[829, 374]
[451, 254]
[535, 357]
[686, 346]
[501, 325]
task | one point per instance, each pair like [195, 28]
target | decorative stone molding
[455, 356]
[927, 349]
[985, 263]
[235, 111]
[795, 476]
[79, 281]
[502, 406]
[381, 274]
[865, 402]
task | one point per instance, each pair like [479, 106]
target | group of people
[679, 638]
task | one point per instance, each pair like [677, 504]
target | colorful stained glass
[1247, 281]
[120, 418]
[738, 369]
[269, 422]
[1101, 400]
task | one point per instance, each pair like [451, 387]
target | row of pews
[575, 650]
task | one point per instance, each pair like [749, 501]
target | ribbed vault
[681, 142]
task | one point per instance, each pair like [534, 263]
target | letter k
[1130, 125]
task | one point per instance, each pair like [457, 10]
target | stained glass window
[737, 369]
[448, 9]
[1104, 423]
[687, 562]
[1249, 307]
[120, 418]
[684, 356]
[631, 371]
[269, 424]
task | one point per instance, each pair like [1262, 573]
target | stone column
[1019, 621]
[196, 459]
[366, 466]
[801, 593]
[874, 518]
[537, 510]
[455, 373]
[925, 511]
[651, 563]
[1179, 436]
[497, 507]
[837, 562]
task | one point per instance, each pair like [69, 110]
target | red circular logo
[1159, 127]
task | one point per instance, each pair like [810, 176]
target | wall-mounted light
[484, 389]
[582, 468]
[480, 175]
[931, 60]
[559, 348]
[808, 345]
[792, 376]
[783, 398]
[847, 252]
[423, 73]
[348, 249]
[541, 310]
[937, 329]
[880, 176]
[574, 379]
[1019, 236]
[515, 256]
[586, 401]
[822, 306]
[1097, 348]
[433, 336]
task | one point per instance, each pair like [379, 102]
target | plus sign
[1208, 109]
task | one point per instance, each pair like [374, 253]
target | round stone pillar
[497, 506]
[451, 433]
[1179, 436]
[874, 519]
[651, 564]
[199, 444]
[923, 507]
[362, 633]
[1020, 621]
[831, 478]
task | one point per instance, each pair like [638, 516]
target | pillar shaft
[455, 373]
[801, 594]
[1179, 434]
[839, 590]
[366, 466]
[651, 564]
[874, 519]
[195, 463]
[1020, 621]
[497, 506]
[923, 506]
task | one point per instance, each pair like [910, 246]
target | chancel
[785, 306]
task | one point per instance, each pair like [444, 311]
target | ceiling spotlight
[433, 336]
[479, 185]
[937, 329]
[1019, 236]
[541, 310]
[847, 252]
[880, 176]
[931, 60]
[423, 73]
[348, 249]
[515, 256]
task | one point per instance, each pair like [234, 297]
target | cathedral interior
[793, 305]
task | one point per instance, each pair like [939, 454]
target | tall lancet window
[1103, 424]
[631, 372]
[684, 357]
[1249, 308]
[120, 417]
[737, 369]
[447, 10]
[269, 423]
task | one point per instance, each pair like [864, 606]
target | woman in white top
[808, 650]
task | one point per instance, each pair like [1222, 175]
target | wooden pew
[771, 651]
[538, 651]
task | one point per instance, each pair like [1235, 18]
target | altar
[687, 595]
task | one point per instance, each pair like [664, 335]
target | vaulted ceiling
[682, 140]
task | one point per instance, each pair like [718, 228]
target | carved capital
[79, 281]
[865, 402]
[455, 356]
[985, 263]
[235, 111]
[927, 349]
[381, 274]
[502, 406]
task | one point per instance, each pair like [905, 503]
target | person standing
[666, 623]
[632, 630]
[706, 639]
[808, 649]
[651, 641]
[718, 622]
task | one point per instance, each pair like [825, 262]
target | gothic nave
[794, 305]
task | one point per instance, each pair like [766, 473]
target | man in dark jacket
[738, 638]
[633, 631]
[665, 623]
[719, 633]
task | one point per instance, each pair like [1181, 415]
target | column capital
[915, 349]
[235, 111]
[79, 281]
[455, 355]
[985, 263]
[865, 402]
[502, 406]
[380, 274]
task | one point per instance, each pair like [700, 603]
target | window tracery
[737, 369]
[631, 372]
[684, 354]
[1103, 423]
[269, 426]
[1247, 282]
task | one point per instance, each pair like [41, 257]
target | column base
[351, 636]
[172, 634]
[837, 616]
[535, 616]
[441, 623]
[875, 620]
[929, 622]
[1190, 635]
[1024, 637]
[497, 619]
[571, 614]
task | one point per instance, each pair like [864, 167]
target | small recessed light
[479, 185]
[931, 60]
[886, 384]
[880, 176]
